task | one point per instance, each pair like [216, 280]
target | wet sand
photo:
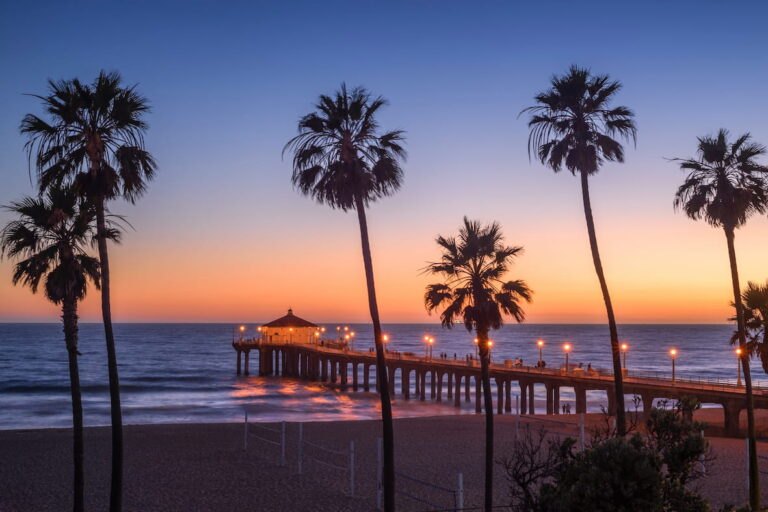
[203, 467]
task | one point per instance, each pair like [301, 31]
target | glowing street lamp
[624, 349]
[739, 351]
[567, 348]
[352, 337]
[673, 355]
[490, 347]
[540, 344]
[477, 348]
[338, 333]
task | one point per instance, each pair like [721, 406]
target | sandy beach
[204, 467]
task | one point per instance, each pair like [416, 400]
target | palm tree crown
[755, 298]
[474, 265]
[725, 184]
[339, 153]
[50, 236]
[573, 123]
[94, 136]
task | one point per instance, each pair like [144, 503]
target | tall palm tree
[340, 158]
[474, 266]
[725, 186]
[49, 239]
[755, 300]
[93, 137]
[574, 125]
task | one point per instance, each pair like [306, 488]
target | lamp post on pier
[540, 344]
[567, 348]
[477, 348]
[673, 355]
[739, 352]
[624, 349]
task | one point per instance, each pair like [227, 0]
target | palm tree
[725, 186]
[755, 300]
[341, 159]
[94, 138]
[474, 292]
[49, 240]
[573, 124]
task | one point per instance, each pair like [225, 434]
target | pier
[450, 380]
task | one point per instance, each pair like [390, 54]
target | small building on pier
[289, 329]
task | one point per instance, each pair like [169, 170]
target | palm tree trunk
[485, 376]
[69, 317]
[754, 476]
[116, 489]
[621, 426]
[388, 474]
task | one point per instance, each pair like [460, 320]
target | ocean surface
[175, 373]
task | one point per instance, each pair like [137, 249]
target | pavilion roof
[290, 320]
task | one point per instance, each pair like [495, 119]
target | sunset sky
[222, 236]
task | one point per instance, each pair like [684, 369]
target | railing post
[460, 492]
[379, 489]
[301, 446]
[282, 443]
[245, 432]
[351, 468]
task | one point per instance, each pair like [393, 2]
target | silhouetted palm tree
[94, 138]
[725, 186]
[474, 266]
[49, 240]
[755, 300]
[573, 125]
[341, 159]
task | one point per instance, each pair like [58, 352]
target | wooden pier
[448, 379]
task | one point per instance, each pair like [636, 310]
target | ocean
[179, 373]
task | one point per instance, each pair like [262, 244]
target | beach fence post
[282, 443]
[351, 468]
[460, 491]
[581, 431]
[379, 450]
[301, 444]
[245, 432]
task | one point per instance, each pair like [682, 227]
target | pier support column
[405, 383]
[531, 399]
[523, 397]
[422, 385]
[354, 376]
[343, 371]
[581, 399]
[280, 366]
[239, 354]
[457, 394]
[333, 372]
[507, 396]
[500, 396]
[647, 400]
[439, 387]
[478, 395]
[324, 369]
[366, 377]
[391, 370]
[550, 398]
[247, 357]
[731, 412]
[450, 385]
[556, 398]
[262, 362]
[467, 378]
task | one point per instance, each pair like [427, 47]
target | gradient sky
[222, 236]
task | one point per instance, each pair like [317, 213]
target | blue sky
[228, 82]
